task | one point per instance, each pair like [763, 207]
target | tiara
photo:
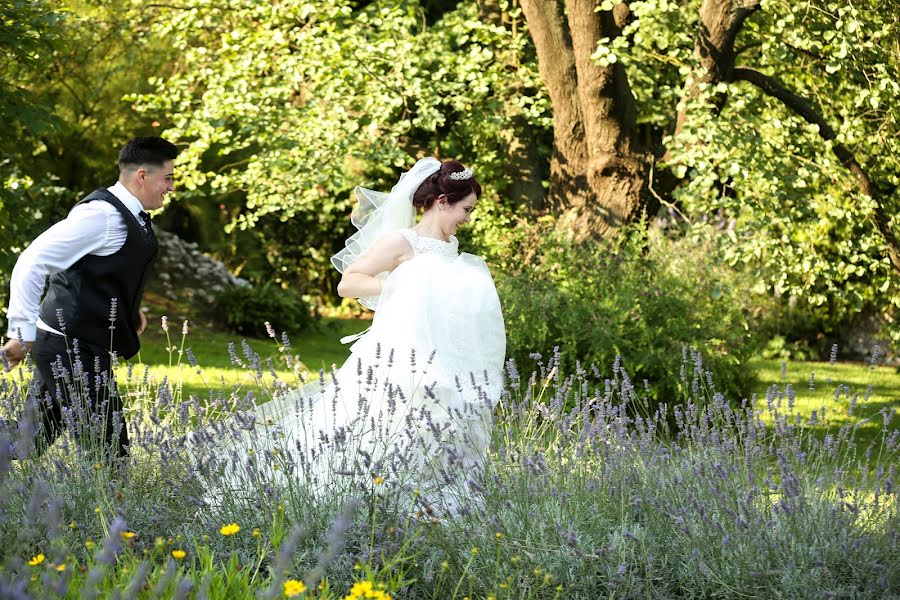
[462, 175]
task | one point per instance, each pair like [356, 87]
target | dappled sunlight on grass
[163, 357]
[825, 392]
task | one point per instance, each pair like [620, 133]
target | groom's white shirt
[90, 228]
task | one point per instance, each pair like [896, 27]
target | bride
[412, 406]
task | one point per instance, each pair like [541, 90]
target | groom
[97, 258]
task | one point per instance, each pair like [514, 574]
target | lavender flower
[113, 311]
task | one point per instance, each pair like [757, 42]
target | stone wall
[184, 274]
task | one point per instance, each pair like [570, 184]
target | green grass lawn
[875, 389]
[215, 372]
[321, 348]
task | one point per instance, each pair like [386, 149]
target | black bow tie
[145, 222]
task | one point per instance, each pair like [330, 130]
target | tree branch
[805, 109]
[720, 23]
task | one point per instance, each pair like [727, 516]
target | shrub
[798, 330]
[245, 310]
[645, 300]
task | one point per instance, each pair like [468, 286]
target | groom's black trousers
[90, 402]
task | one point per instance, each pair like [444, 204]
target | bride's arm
[359, 279]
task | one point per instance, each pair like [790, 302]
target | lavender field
[587, 491]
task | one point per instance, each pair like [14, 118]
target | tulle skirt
[413, 404]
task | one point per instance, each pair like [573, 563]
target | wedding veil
[377, 214]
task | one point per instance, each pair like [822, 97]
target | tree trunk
[524, 164]
[597, 172]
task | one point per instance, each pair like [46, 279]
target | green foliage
[246, 309]
[65, 67]
[787, 213]
[283, 108]
[74, 66]
[645, 299]
[25, 209]
[29, 31]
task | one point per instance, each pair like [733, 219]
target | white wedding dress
[413, 403]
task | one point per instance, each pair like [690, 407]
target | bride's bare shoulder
[395, 245]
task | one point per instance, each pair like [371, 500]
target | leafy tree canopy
[757, 176]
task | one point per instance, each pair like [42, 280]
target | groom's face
[155, 183]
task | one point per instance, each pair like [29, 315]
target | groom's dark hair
[149, 151]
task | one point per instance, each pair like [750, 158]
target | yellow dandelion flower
[292, 588]
[230, 529]
[474, 551]
[89, 544]
[60, 568]
[178, 554]
[256, 532]
[128, 535]
[378, 480]
[36, 560]
[498, 535]
[361, 588]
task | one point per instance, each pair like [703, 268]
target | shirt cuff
[29, 330]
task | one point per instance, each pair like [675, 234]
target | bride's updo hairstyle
[440, 182]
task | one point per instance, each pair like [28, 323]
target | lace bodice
[423, 245]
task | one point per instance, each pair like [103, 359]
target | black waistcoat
[86, 292]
